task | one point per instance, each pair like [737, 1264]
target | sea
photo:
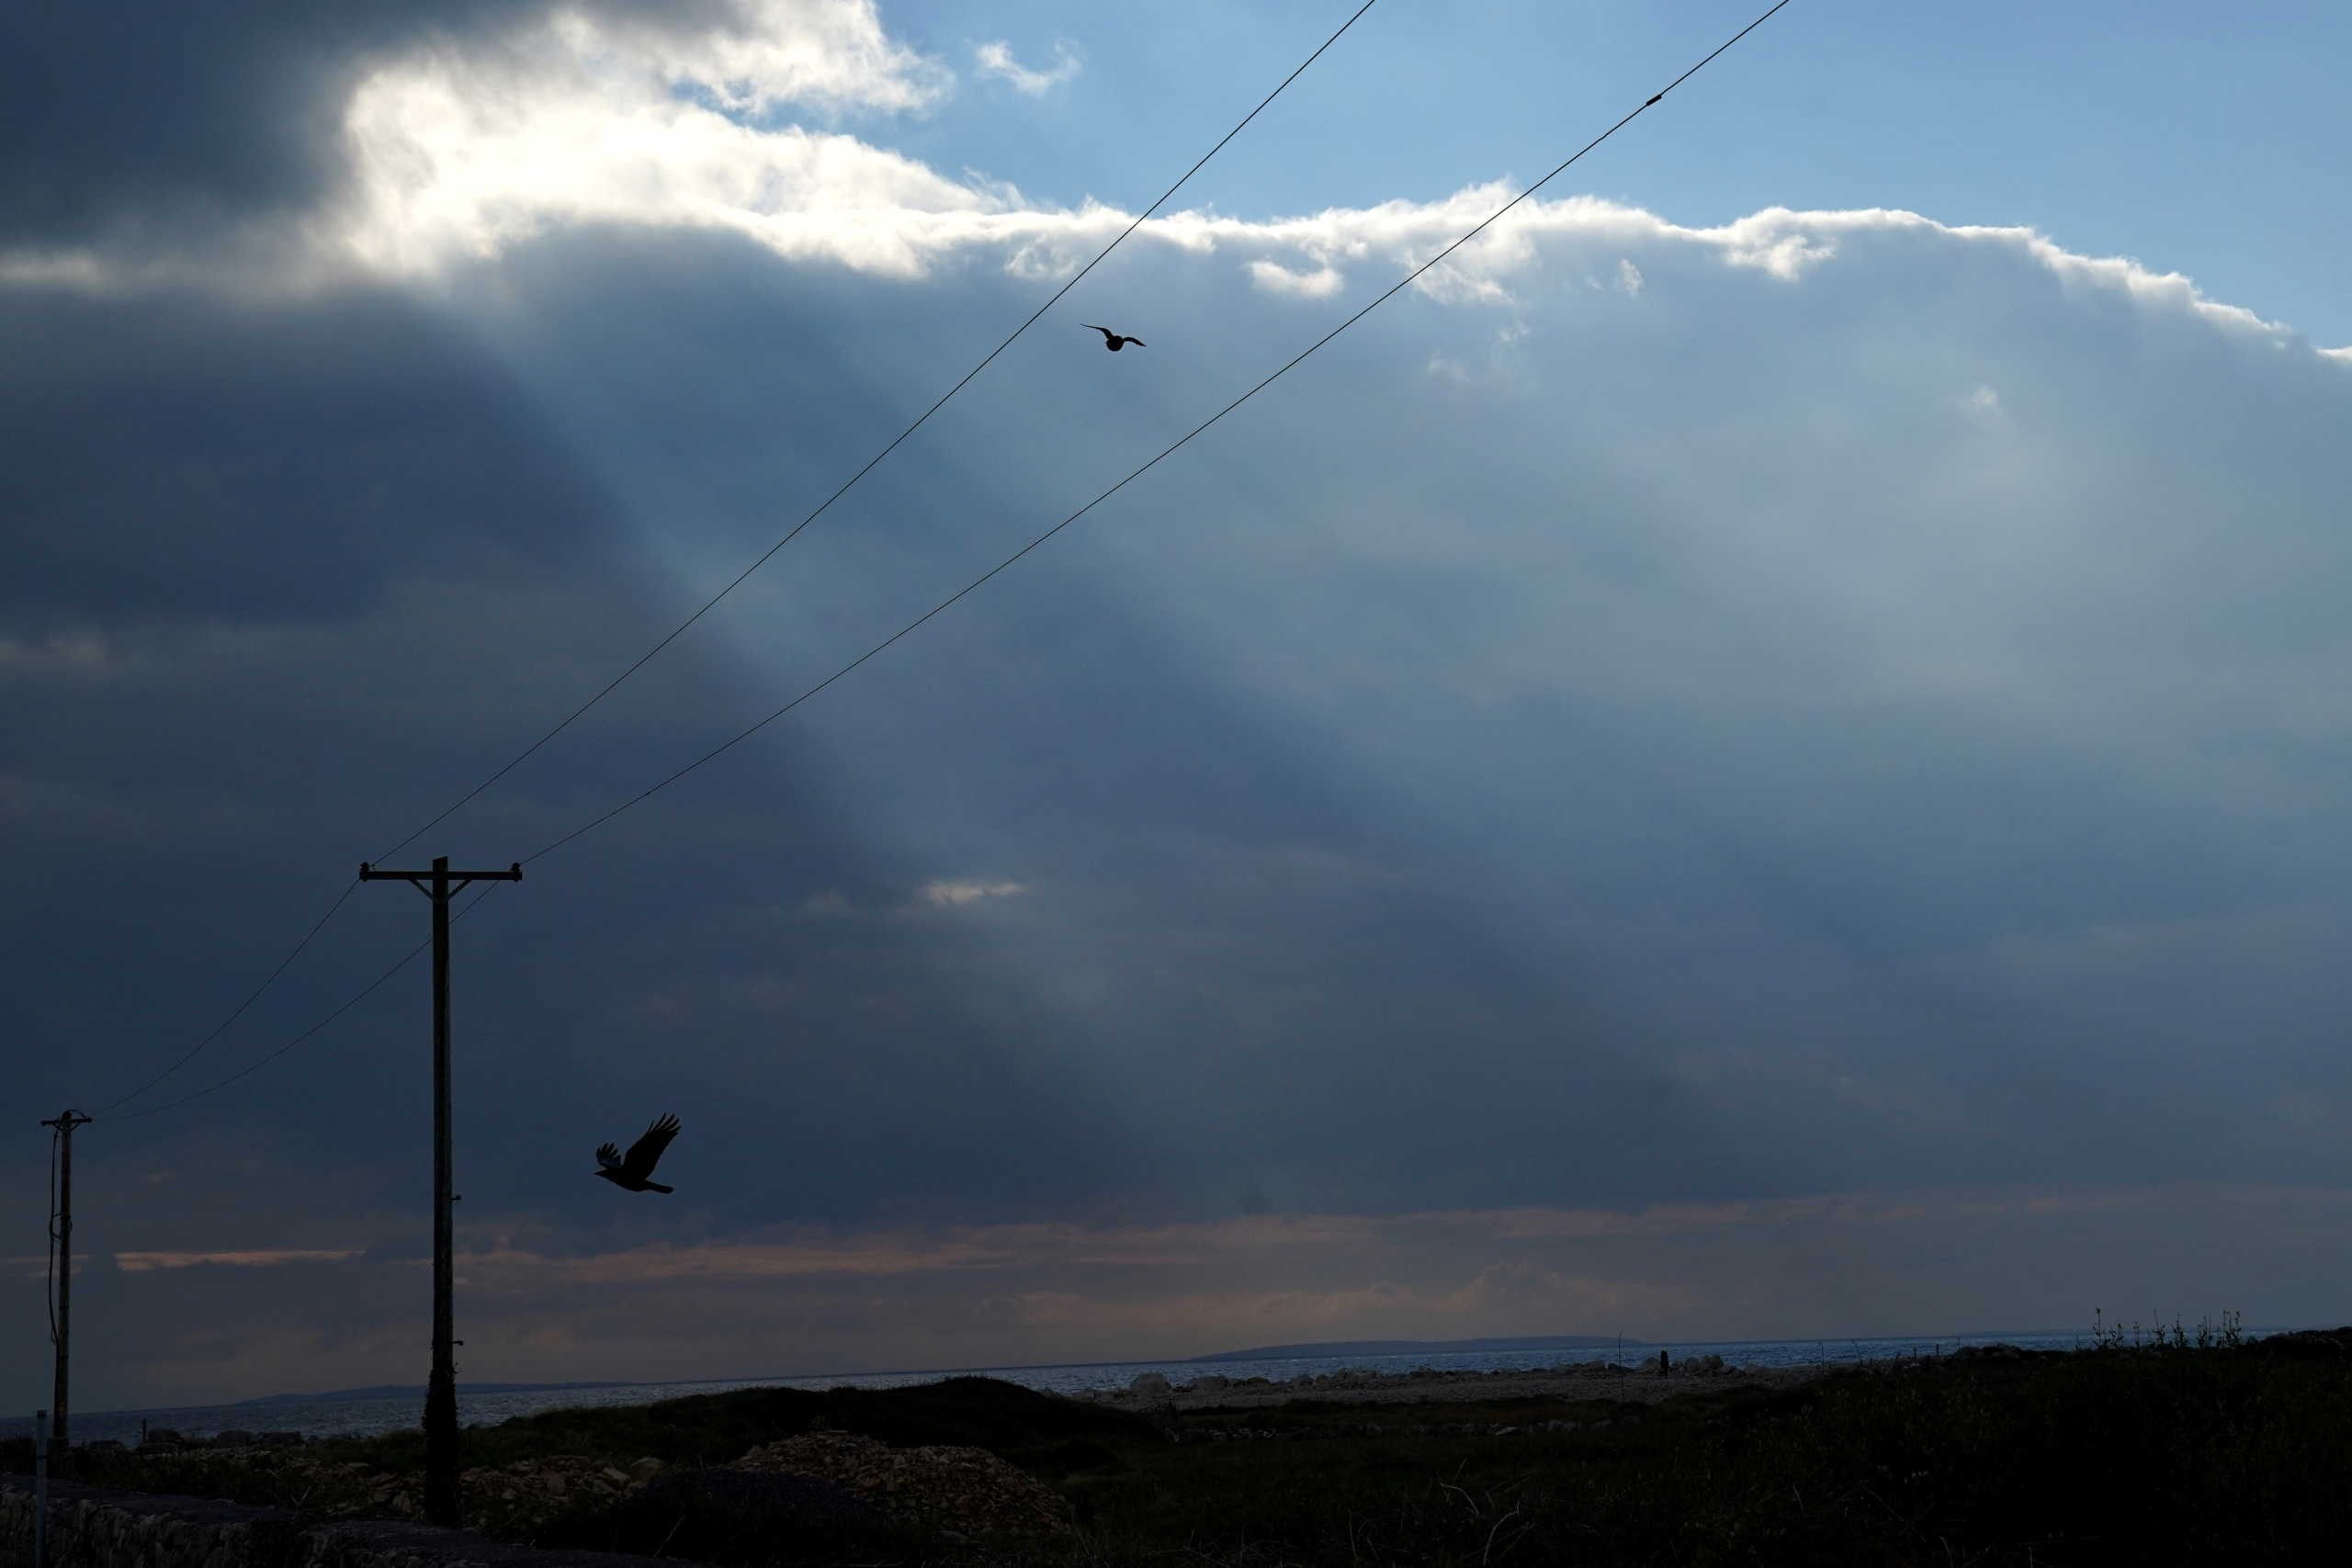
[328, 1416]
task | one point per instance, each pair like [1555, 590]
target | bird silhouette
[1113, 340]
[631, 1172]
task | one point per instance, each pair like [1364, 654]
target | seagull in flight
[632, 1172]
[1113, 340]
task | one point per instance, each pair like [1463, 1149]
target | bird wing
[647, 1149]
[1105, 331]
[608, 1155]
[1138, 343]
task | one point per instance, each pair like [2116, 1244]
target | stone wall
[89, 1528]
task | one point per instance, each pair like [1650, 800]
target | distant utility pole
[440, 885]
[62, 1234]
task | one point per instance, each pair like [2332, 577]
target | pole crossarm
[456, 881]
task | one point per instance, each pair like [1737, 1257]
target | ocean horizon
[368, 1412]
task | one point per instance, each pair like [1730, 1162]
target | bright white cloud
[996, 59]
[952, 894]
[577, 123]
[446, 174]
[447, 170]
[942, 893]
[756, 55]
[1276, 278]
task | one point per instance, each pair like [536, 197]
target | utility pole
[440, 885]
[62, 1224]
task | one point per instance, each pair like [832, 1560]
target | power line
[254, 996]
[362, 995]
[741, 576]
[616, 682]
[1393, 290]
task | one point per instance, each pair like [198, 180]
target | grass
[2158, 1451]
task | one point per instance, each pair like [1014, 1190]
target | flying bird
[632, 1172]
[1113, 340]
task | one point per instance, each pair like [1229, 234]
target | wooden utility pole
[440, 885]
[62, 1233]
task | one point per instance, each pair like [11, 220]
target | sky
[1760, 752]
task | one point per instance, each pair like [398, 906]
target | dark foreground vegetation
[2170, 1453]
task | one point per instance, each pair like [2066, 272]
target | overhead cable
[741, 576]
[745, 734]
[361, 995]
[1391, 293]
[650, 654]
[255, 996]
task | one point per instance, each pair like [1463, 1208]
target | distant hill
[1325, 1347]
[1420, 1347]
[416, 1391]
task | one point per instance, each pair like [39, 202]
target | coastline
[351, 1412]
[1636, 1384]
[2167, 1451]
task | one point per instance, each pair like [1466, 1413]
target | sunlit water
[363, 1417]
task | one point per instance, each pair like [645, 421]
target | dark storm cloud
[250, 700]
[1409, 1027]
[1842, 850]
[151, 124]
[125, 113]
[226, 463]
[1154, 775]
[1778, 720]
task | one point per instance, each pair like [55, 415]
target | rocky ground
[502, 1499]
[967, 1492]
[963, 1490]
[970, 1491]
[1587, 1380]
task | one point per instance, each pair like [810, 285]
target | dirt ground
[1633, 1385]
